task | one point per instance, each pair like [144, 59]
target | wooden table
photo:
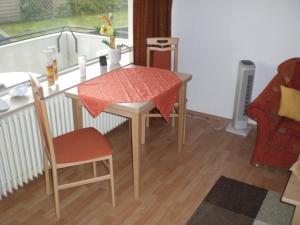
[291, 195]
[134, 111]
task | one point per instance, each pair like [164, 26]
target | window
[20, 19]
[28, 27]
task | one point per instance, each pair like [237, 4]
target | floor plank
[172, 185]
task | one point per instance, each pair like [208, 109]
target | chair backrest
[42, 116]
[162, 49]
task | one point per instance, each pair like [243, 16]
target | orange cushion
[80, 145]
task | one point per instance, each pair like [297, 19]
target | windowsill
[70, 78]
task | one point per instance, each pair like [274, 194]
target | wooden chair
[159, 53]
[162, 53]
[78, 147]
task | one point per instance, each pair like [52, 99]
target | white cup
[82, 65]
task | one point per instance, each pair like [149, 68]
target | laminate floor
[172, 185]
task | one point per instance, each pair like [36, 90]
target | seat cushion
[287, 136]
[289, 127]
[80, 145]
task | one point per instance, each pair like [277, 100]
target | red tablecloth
[131, 85]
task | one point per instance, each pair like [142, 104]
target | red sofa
[278, 138]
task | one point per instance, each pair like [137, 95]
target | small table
[291, 195]
[134, 111]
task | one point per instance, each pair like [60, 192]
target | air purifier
[244, 85]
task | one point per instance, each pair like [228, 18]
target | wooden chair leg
[173, 118]
[173, 122]
[112, 185]
[143, 134]
[147, 121]
[46, 169]
[94, 169]
[55, 189]
[184, 127]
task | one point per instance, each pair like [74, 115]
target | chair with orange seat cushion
[162, 52]
[78, 147]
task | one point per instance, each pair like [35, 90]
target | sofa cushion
[287, 136]
[290, 103]
[289, 127]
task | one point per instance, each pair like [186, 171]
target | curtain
[151, 18]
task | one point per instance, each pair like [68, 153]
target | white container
[114, 55]
[82, 65]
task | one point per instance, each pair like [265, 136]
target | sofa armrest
[264, 114]
[268, 103]
[264, 110]
[265, 130]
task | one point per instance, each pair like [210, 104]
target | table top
[291, 194]
[135, 107]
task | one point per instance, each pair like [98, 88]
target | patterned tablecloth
[127, 85]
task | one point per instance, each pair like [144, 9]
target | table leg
[143, 130]
[296, 217]
[136, 121]
[77, 114]
[184, 125]
[181, 115]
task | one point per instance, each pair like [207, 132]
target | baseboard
[205, 115]
[251, 123]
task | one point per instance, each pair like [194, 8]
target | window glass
[29, 27]
[26, 17]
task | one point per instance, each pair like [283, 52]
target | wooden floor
[172, 185]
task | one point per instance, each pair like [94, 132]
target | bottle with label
[54, 59]
[48, 61]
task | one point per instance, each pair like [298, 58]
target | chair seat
[80, 145]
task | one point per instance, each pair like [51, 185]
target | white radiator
[20, 144]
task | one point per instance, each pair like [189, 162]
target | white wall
[216, 34]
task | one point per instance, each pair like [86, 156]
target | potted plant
[107, 29]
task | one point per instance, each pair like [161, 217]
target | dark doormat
[231, 202]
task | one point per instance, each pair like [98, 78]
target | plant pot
[114, 55]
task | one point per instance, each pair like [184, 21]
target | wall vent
[243, 92]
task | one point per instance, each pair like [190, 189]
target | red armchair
[278, 138]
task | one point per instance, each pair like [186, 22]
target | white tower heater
[243, 92]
